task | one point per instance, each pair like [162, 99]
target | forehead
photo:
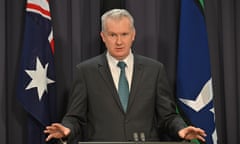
[118, 24]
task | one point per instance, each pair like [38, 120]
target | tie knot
[121, 64]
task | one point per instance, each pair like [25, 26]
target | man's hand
[56, 130]
[191, 132]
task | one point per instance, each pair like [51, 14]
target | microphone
[142, 137]
[135, 137]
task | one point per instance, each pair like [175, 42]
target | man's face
[118, 37]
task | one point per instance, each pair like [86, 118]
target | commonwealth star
[39, 78]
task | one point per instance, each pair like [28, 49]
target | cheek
[110, 43]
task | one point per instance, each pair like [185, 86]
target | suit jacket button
[126, 121]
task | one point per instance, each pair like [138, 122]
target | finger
[46, 131]
[201, 132]
[48, 138]
[64, 130]
[57, 125]
[199, 137]
[194, 136]
[56, 135]
[198, 131]
[50, 129]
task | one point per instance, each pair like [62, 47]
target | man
[97, 109]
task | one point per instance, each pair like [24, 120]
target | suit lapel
[104, 70]
[136, 81]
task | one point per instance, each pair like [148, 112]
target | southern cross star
[39, 78]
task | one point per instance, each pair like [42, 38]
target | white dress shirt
[115, 70]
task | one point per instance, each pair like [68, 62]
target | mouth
[119, 47]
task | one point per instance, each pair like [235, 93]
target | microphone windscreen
[135, 137]
[142, 136]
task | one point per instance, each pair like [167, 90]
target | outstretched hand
[56, 130]
[191, 132]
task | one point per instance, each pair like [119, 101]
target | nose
[119, 40]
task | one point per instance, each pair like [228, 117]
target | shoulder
[93, 62]
[146, 61]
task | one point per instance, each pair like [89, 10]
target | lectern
[135, 143]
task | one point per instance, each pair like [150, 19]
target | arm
[170, 119]
[75, 117]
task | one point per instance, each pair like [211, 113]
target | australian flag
[194, 80]
[36, 86]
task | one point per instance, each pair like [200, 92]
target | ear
[102, 36]
[134, 34]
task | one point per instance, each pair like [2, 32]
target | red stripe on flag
[52, 46]
[38, 8]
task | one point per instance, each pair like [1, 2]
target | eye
[125, 34]
[112, 35]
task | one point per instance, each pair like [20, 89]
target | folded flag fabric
[37, 82]
[194, 80]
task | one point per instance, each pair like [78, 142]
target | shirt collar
[128, 60]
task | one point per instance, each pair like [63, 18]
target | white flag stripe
[205, 97]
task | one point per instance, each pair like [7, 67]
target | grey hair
[116, 14]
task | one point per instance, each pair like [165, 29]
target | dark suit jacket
[96, 111]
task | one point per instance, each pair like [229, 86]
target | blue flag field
[36, 85]
[194, 80]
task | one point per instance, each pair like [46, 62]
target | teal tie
[123, 88]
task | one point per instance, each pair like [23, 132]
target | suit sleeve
[168, 119]
[75, 118]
